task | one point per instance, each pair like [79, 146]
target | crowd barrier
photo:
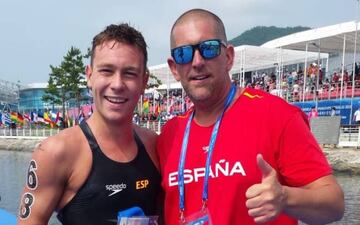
[349, 135]
[39, 133]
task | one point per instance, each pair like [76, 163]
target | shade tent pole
[241, 66]
[317, 78]
[328, 75]
[278, 79]
[182, 101]
[297, 67]
[353, 76]
[343, 68]
[243, 72]
[282, 70]
[167, 92]
[305, 70]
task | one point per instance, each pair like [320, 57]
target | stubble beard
[199, 94]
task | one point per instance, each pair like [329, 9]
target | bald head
[199, 14]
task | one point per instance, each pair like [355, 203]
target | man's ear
[172, 66]
[146, 79]
[88, 72]
[230, 55]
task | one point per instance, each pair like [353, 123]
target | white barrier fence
[349, 135]
[28, 133]
[40, 133]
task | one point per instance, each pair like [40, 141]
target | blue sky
[36, 34]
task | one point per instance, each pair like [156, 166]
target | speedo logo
[115, 188]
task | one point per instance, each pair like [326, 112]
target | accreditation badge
[138, 220]
[201, 217]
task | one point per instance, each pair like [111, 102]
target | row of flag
[175, 105]
[41, 118]
[8, 118]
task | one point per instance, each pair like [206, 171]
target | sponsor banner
[342, 108]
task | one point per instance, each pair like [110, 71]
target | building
[31, 99]
[9, 95]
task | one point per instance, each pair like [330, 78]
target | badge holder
[201, 217]
[135, 216]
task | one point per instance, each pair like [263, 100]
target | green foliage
[261, 34]
[51, 92]
[67, 80]
[153, 82]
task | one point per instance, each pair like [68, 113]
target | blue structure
[7, 218]
[30, 99]
[342, 106]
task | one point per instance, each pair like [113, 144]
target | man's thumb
[264, 167]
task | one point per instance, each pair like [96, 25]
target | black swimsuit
[112, 187]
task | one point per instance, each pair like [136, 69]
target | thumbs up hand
[267, 199]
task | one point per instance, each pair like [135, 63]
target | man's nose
[117, 82]
[198, 60]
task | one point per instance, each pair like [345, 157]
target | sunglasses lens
[210, 49]
[183, 54]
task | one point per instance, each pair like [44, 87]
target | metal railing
[153, 125]
[29, 133]
[349, 135]
[39, 133]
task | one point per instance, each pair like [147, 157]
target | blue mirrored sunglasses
[208, 49]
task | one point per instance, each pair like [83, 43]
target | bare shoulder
[148, 137]
[145, 134]
[60, 151]
[48, 175]
[60, 146]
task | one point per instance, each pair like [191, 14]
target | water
[13, 167]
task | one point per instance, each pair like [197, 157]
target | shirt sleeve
[301, 160]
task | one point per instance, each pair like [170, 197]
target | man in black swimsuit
[88, 173]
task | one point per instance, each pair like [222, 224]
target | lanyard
[214, 133]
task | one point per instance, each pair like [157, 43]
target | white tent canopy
[329, 39]
[163, 73]
[252, 58]
[249, 58]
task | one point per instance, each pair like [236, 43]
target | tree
[67, 80]
[154, 82]
[51, 93]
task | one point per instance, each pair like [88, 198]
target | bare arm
[319, 202]
[45, 184]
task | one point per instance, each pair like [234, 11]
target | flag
[91, 111]
[157, 110]
[56, 117]
[20, 118]
[6, 119]
[14, 117]
[68, 119]
[27, 117]
[59, 121]
[80, 117]
[146, 106]
[40, 117]
[1, 119]
[34, 117]
[47, 118]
